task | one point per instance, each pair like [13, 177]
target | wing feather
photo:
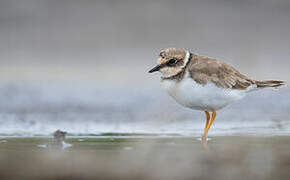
[204, 70]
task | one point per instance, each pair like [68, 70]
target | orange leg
[208, 124]
[207, 118]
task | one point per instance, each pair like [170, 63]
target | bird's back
[209, 70]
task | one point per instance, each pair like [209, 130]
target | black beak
[156, 68]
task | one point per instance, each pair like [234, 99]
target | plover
[204, 83]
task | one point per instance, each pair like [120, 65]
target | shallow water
[229, 157]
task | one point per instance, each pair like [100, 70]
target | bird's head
[171, 61]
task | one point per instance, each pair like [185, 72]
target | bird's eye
[171, 62]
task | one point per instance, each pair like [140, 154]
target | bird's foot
[204, 139]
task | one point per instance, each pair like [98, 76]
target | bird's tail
[270, 83]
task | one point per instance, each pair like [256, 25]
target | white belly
[201, 97]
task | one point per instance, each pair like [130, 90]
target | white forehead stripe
[187, 57]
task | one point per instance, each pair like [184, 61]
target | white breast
[201, 97]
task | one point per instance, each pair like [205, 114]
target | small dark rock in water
[59, 136]
[57, 142]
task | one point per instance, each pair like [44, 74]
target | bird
[204, 83]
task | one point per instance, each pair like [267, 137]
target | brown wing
[204, 70]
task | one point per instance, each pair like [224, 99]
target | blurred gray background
[82, 65]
